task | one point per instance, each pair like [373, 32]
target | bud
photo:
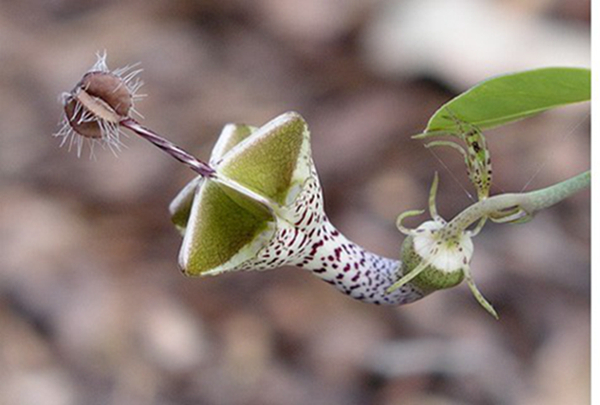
[95, 107]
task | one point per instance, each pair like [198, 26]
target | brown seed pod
[99, 98]
[94, 109]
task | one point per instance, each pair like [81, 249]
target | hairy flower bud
[99, 100]
[95, 107]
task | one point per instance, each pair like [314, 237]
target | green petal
[231, 135]
[272, 160]
[181, 205]
[223, 232]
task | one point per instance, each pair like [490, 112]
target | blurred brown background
[93, 309]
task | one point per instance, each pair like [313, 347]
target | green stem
[518, 205]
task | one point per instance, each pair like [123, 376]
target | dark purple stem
[200, 167]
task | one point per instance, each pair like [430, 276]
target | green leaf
[512, 97]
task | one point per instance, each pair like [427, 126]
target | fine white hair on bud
[94, 109]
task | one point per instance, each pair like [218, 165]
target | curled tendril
[403, 216]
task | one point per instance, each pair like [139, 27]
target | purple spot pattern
[305, 238]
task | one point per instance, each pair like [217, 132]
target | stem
[549, 196]
[200, 167]
[528, 203]
[353, 270]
